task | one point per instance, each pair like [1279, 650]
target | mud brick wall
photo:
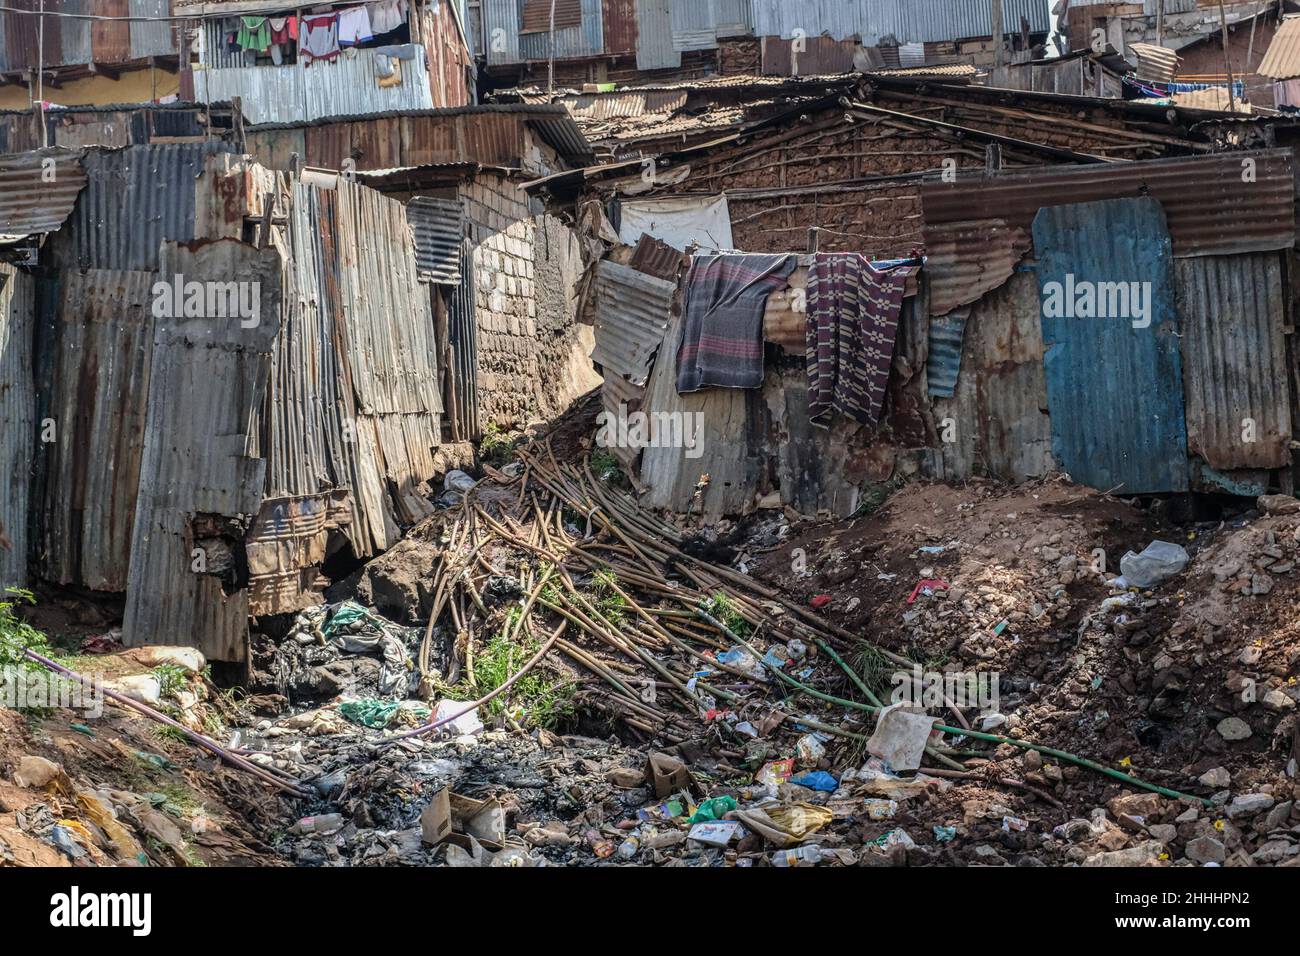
[526, 265]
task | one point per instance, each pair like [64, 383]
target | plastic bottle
[627, 850]
[799, 856]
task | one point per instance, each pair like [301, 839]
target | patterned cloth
[722, 323]
[853, 311]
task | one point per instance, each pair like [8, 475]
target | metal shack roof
[879, 22]
[1215, 205]
[37, 191]
[1282, 61]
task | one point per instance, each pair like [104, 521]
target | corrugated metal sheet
[966, 260]
[655, 50]
[623, 104]
[535, 15]
[4, 51]
[31, 202]
[301, 93]
[103, 345]
[152, 38]
[286, 547]
[1233, 311]
[1151, 8]
[501, 31]
[821, 56]
[586, 39]
[22, 32]
[618, 397]
[1155, 62]
[207, 382]
[393, 359]
[17, 417]
[943, 365]
[1282, 61]
[111, 38]
[694, 24]
[462, 333]
[1114, 391]
[723, 442]
[439, 227]
[974, 224]
[893, 22]
[134, 199]
[631, 313]
[619, 20]
[655, 257]
[1001, 391]
[76, 34]
[732, 18]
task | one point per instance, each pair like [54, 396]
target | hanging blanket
[853, 311]
[722, 323]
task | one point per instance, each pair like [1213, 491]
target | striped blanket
[722, 322]
[853, 311]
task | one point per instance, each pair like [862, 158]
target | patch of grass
[167, 732]
[172, 679]
[16, 634]
[875, 669]
[536, 699]
[496, 447]
[720, 607]
[612, 606]
[605, 466]
[875, 494]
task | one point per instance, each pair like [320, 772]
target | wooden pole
[1227, 60]
[1160, 23]
[550, 63]
[998, 37]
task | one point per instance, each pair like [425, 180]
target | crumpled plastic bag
[785, 825]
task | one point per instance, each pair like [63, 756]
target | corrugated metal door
[1111, 345]
[463, 334]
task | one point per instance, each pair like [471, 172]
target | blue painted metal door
[1111, 345]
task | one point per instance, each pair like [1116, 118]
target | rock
[1139, 855]
[988, 855]
[1190, 815]
[1205, 850]
[1276, 701]
[35, 772]
[1112, 838]
[1233, 728]
[1140, 805]
[1249, 804]
[1278, 504]
[1250, 656]
[1164, 832]
[1033, 761]
[1278, 816]
[1274, 851]
[991, 722]
[1216, 779]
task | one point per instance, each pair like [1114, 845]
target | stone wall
[531, 358]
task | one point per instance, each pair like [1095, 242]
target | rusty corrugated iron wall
[18, 435]
[200, 478]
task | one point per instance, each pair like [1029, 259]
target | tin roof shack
[423, 63]
[502, 273]
[240, 374]
[85, 59]
[1193, 37]
[138, 125]
[851, 166]
[970, 351]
